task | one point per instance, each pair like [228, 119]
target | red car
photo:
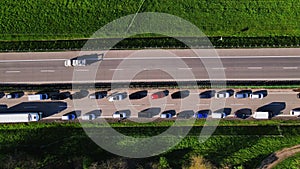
[160, 94]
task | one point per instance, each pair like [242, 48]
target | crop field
[68, 19]
[65, 145]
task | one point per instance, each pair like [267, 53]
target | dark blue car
[202, 114]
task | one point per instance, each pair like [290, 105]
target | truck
[261, 115]
[38, 97]
[20, 117]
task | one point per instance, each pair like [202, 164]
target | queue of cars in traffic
[150, 112]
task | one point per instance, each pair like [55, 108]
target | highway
[145, 65]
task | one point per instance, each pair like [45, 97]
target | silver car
[222, 95]
[118, 96]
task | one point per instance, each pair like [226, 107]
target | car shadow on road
[149, 113]
[226, 110]
[91, 58]
[97, 113]
[138, 95]
[180, 94]
[47, 108]
[274, 108]
[264, 92]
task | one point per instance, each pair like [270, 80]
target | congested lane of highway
[55, 109]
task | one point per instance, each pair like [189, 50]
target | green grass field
[65, 145]
[67, 19]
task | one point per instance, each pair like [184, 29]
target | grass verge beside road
[64, 19]
[63, 145]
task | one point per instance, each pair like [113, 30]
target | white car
[68, 63]
[75, 62]
[256, 96]
[79, 62]
[115, 97]
[118, 114]
[222, 95]
[295, 112]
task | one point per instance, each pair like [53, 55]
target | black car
[186, 114]
[61, 96]
[207, 94]
[243, 113]
[149, 113]
[2, 94]
[79, 95]
[138, 95]
[98, 95]
[180, 94]
[14, 95]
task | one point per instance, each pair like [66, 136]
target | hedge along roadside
[163, 85]
[150, 42]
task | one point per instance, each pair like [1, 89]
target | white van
[295, 112]
[261, 115]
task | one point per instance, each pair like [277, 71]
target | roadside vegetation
[65, 19]
[57, 25]
[65, 145]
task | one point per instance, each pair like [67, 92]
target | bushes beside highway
[65, 145]
[158, 42]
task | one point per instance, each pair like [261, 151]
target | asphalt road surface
[152, 65]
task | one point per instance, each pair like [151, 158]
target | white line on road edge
[254, 67]
[217, 68]
[134, 105]
[149, 58]
[152, 68]
[12, 71]
[115, 69]
[185, 68]
[82, 70]
[290, 67]
[47, 71]
[205, 57]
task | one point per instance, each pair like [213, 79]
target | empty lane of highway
[49, 67]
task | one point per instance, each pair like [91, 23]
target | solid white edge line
[254, 67]
[290, 67]
[145, 58]
[47, 71]
[115, 69]
[12, 71]
[82, 70]
[146, 80]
